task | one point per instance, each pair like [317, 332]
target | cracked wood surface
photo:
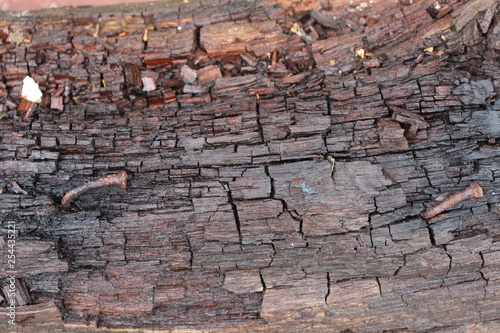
[219, 111]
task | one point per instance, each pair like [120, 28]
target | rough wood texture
[219, 110]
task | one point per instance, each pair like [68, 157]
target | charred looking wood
[325, 20]
[16, 292]
[414, 121]
[474, 190]
[133, 79]
[17, 189]
[120, 179]
[436, 11]
[299, 31]
[27, 107]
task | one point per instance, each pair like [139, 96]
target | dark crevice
[379, 286]
[399, 268]
[101, 80]
[370, 233]
[264, 287]
[431, 235]
[294, 215]
[301, 227]
[261, 130]
[273, 190]
[482, 258]
[273, 255]
[125, 241]
[451, 261]
[329, 106]
[196, 39]
[370, 225]
[482, 275]
[191, 253]
[234, 208]
[328, 284]
[389, 230]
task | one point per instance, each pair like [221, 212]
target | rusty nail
[17, 189]
[474, 190]
[120, 179]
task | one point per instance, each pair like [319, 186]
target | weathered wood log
[220, 112]
[15, 292]
[43, 317]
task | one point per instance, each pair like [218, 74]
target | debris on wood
[30, 90]
[43, 317]
[360, 53]
[372, 63]
[496, 208]
[27, 108]
[413, 121]
[325, 20]
[209, 74]
[485, 22]
[17, 37]
[133, 79]
[391, 136]
[438, 11]
[249, 59]
[429, 49]
[17, 189]
[291, 79]
[299, 31]
[188, 74]
[419, 58]
[56, 103]
[330, 159]
[148, 84]
[31, 94]
[15, 292]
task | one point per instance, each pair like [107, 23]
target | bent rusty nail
[17, 189]
[120, 179]
[474, 190]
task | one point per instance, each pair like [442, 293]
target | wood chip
[56, 103]
[15, 291]
[148, 84]
[188, 74]
[27, 107]
[209, 74]
[414, 121]
[325, 20]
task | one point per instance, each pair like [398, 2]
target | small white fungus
[31, 91]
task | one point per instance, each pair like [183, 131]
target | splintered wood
[223, 121]
[227, 38]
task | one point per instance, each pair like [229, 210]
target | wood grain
[231, 222]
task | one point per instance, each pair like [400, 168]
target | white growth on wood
[31, 91]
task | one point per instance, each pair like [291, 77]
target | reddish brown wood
[232, 221]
